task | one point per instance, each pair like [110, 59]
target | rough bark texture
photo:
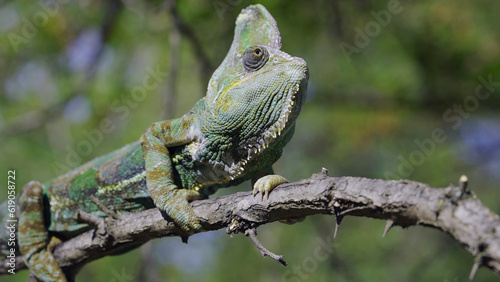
[452, 210]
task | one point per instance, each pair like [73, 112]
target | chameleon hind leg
[34, 239]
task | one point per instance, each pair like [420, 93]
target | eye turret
[255, 57]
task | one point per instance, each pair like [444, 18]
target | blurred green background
[397, 89]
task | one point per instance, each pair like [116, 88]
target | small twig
[263, 251]
[110, 214]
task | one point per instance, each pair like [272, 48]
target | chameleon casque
[233, 134]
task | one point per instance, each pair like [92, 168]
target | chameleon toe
[267, 183]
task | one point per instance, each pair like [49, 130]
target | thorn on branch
[337, 226]
[338, 220]
[388, 225]
[324, 171]
[463, 183]
[321, 175]
[477, 263]
[252, 233]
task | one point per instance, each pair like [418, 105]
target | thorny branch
[453, 210]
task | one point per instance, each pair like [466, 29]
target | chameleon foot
[267, 183]
[177, 207]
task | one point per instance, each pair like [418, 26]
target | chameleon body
[233, 134]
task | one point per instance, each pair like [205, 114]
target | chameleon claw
[178, 209]
[265, 184]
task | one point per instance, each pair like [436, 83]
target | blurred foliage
[385, 75]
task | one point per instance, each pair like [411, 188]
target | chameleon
[234, 134]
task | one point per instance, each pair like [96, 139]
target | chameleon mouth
[271, 134]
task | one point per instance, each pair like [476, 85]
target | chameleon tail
[33, 236]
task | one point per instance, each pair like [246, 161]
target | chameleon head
[262, 100]
[255, 96]
[258, 90]
[273, 92]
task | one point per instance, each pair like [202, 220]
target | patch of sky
[82, 50]
[481, 142]
[77, 110]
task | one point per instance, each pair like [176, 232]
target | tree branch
[206, 67]
[169, 99]
[453, 210]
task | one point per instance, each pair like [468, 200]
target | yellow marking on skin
[58, 203]
[193, 148]
[136, 178]
[240, 80]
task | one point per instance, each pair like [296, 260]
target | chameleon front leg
[34, 239]
[266, 181]
[159, 171]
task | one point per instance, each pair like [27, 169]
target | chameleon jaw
[272, 134]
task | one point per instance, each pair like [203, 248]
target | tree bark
[453, 210]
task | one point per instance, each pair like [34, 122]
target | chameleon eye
[255, 57]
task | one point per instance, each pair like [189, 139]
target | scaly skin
[233, 134]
